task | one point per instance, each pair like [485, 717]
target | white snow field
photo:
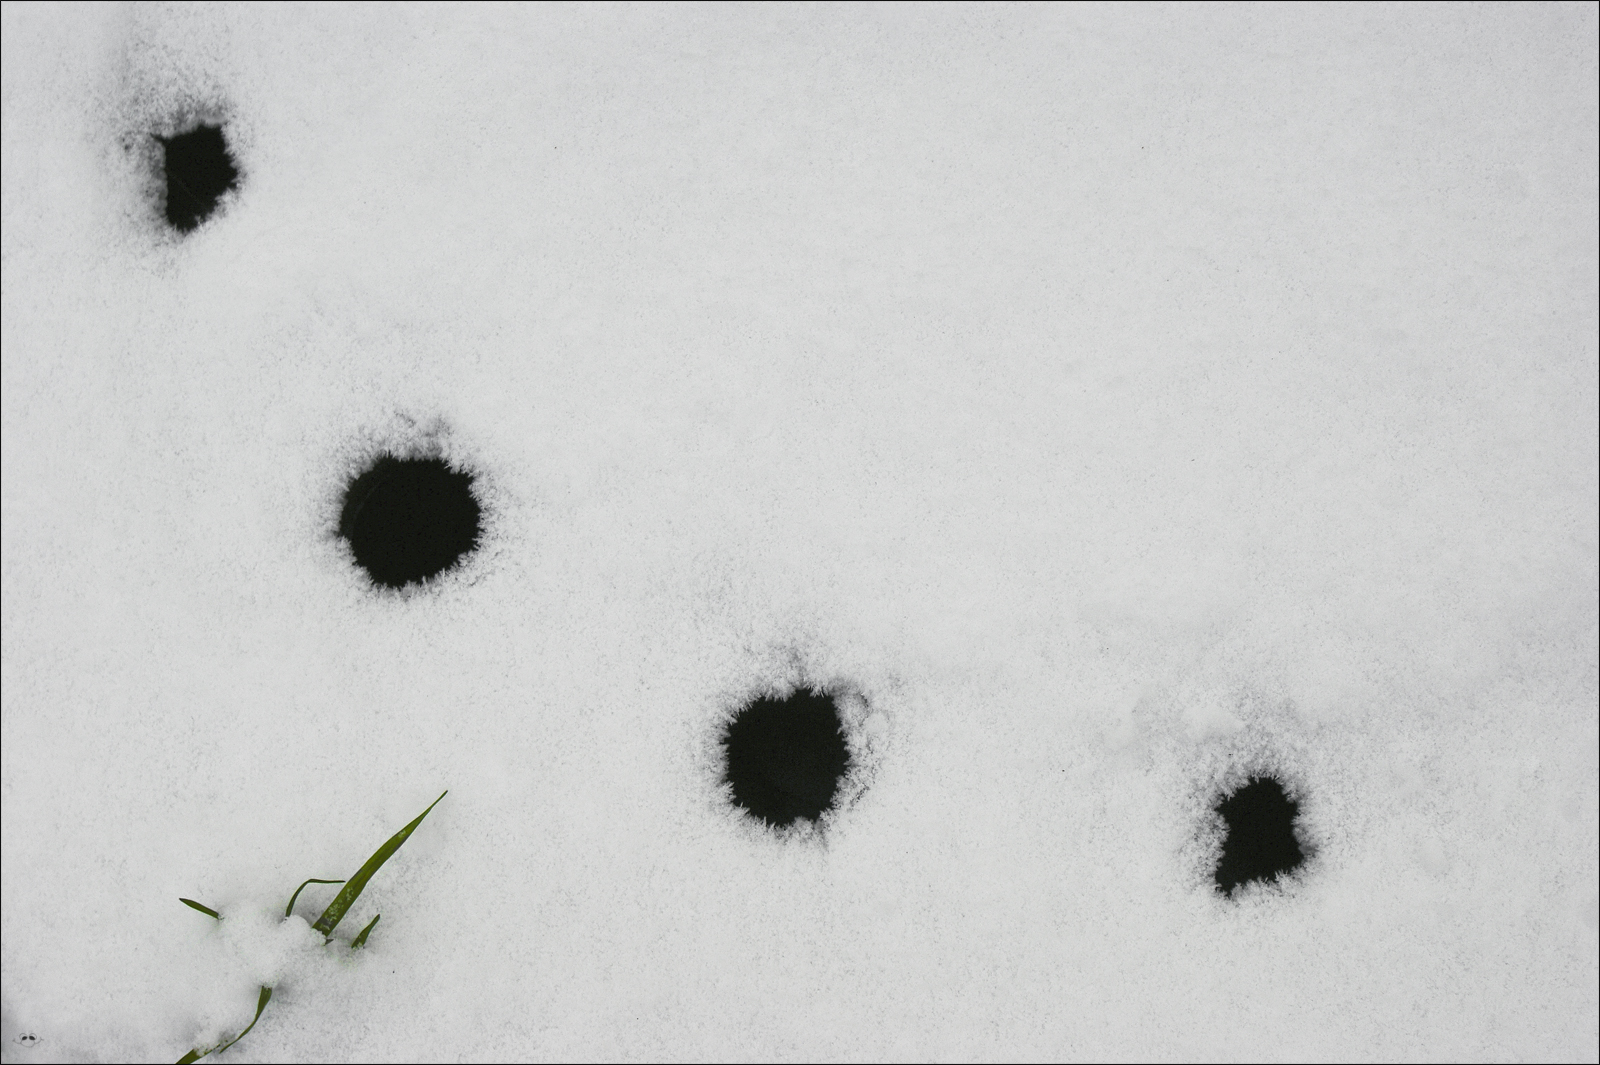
[1115, 402]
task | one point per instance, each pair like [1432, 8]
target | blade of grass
[289, 909]
[207, 910]
[361, 937]
[261, 1004]
[352, 890]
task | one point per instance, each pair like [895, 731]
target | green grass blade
[288, 911]
[261, 1004]
[207, 910]
[361, 938]
[352, 890]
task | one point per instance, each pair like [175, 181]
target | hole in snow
[786, 757]
[1259, 840]
[409, 520]
[199, 171]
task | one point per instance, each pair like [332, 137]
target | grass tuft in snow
[327, 922]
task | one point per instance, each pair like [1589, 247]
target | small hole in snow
[199, 170]
[409, 520]
[1259, 842]
[786, 757]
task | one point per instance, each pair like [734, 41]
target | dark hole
[409, 519]
[786, 757]
[1260, 843]
[199, 171]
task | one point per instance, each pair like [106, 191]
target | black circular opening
[1259, 842]
[199, 171]
[786, 757]
[408, 520]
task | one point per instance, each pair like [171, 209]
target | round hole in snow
[1259, 842]
[409, 520]
[199, 171]
[786, 757]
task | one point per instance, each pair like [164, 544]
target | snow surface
[1117, 400]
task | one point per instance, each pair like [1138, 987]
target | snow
[1114, 400]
